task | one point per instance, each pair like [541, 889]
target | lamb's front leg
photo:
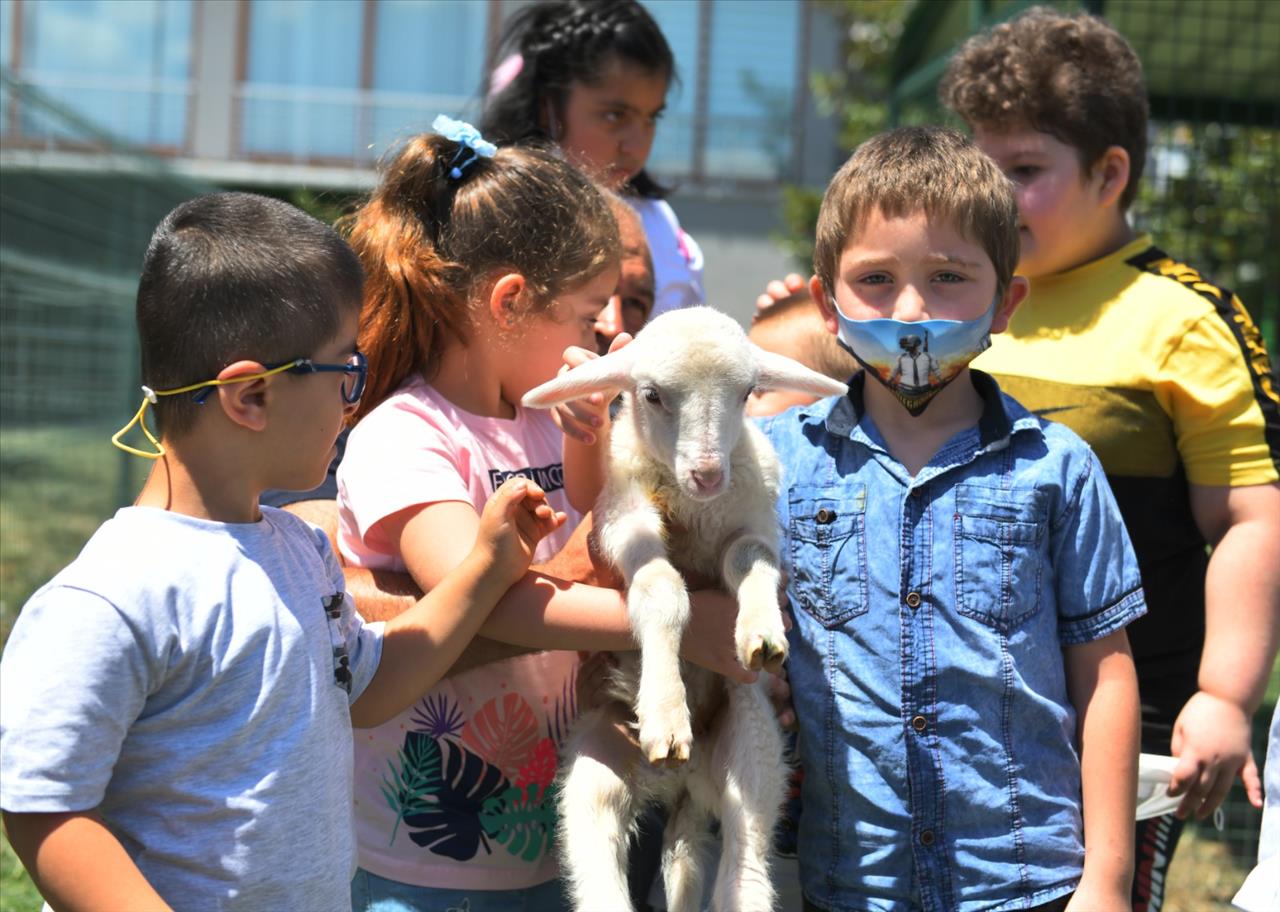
[750, 569]
[658, 607]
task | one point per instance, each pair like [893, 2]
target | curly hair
[919, 169]
[563, 42]
[1072, 76]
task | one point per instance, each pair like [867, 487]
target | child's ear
[826, 306]
[1014, 295]
[1113, 170]
[244, 403]
[504, 299]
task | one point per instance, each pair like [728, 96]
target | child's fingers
[575, 355]
[621, 340]
[510, 495]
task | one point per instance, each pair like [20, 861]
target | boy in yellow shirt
[1162, 372]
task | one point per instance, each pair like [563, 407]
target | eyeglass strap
[140, 419]
[149, 397]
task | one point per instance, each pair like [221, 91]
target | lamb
[691, 487]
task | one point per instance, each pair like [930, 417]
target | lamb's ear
[610, 372]
[780, 372]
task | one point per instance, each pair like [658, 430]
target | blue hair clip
[468, 137]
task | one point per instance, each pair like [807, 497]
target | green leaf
[414, 779]
[523, 820]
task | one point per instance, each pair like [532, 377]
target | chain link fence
[77, 209]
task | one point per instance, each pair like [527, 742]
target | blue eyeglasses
[356, 369]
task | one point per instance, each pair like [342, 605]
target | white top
[179, 677]
[677, 258]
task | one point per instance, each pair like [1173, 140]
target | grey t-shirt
[179, 676]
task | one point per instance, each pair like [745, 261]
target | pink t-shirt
[456, 792]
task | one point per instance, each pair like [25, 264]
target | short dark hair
[1072, 76]
[562, 42]
[919, 169]
[232, 276]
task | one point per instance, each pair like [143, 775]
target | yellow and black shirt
[1167, 378]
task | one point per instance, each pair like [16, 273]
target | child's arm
[585, 423]
[585, 450]
[1103, 687]
[77, 863]
[419, 645]
[544, 612]
[1242, 627]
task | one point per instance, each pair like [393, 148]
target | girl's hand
[708, 640]
[514, 520]
[586, 419]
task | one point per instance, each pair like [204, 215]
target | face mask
[916, 360]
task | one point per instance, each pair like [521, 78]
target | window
[124, 65]
[300, 95]
[429, 59]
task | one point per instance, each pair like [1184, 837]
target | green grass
[17, 892]
[56, 487]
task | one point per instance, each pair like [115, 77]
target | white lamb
[691, 487]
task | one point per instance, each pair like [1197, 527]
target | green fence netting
[76, 211]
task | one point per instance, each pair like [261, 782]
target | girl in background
[482, 268]
[592, 76]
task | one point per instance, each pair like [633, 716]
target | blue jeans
[371, 893]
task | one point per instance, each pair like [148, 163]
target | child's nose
[609, 320]
[910, 305]
[634, 139]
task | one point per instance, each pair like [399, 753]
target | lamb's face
[688, 374]
[691, 419]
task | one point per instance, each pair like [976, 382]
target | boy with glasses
[153, 692]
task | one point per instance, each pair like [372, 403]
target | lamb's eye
[747, 397]
[651, 396]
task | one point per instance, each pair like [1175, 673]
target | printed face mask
[916, 360]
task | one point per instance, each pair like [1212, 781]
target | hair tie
[468, 139]
[505, 73]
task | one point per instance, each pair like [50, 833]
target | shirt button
[919, 723]
[926, 837]
[916, 492]
[825, 516]
[913, 599]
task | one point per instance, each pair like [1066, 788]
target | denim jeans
[371, 893]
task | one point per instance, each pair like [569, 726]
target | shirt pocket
[829, 551]
[999, 552]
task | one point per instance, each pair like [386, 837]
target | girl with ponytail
[591, 76]
[482, 267]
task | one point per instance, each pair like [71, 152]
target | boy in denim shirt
[966, 697]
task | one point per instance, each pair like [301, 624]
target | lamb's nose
[708, 477]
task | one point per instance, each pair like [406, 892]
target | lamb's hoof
[764, 652]
[669, 750]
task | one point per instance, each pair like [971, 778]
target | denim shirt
[936, 733]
